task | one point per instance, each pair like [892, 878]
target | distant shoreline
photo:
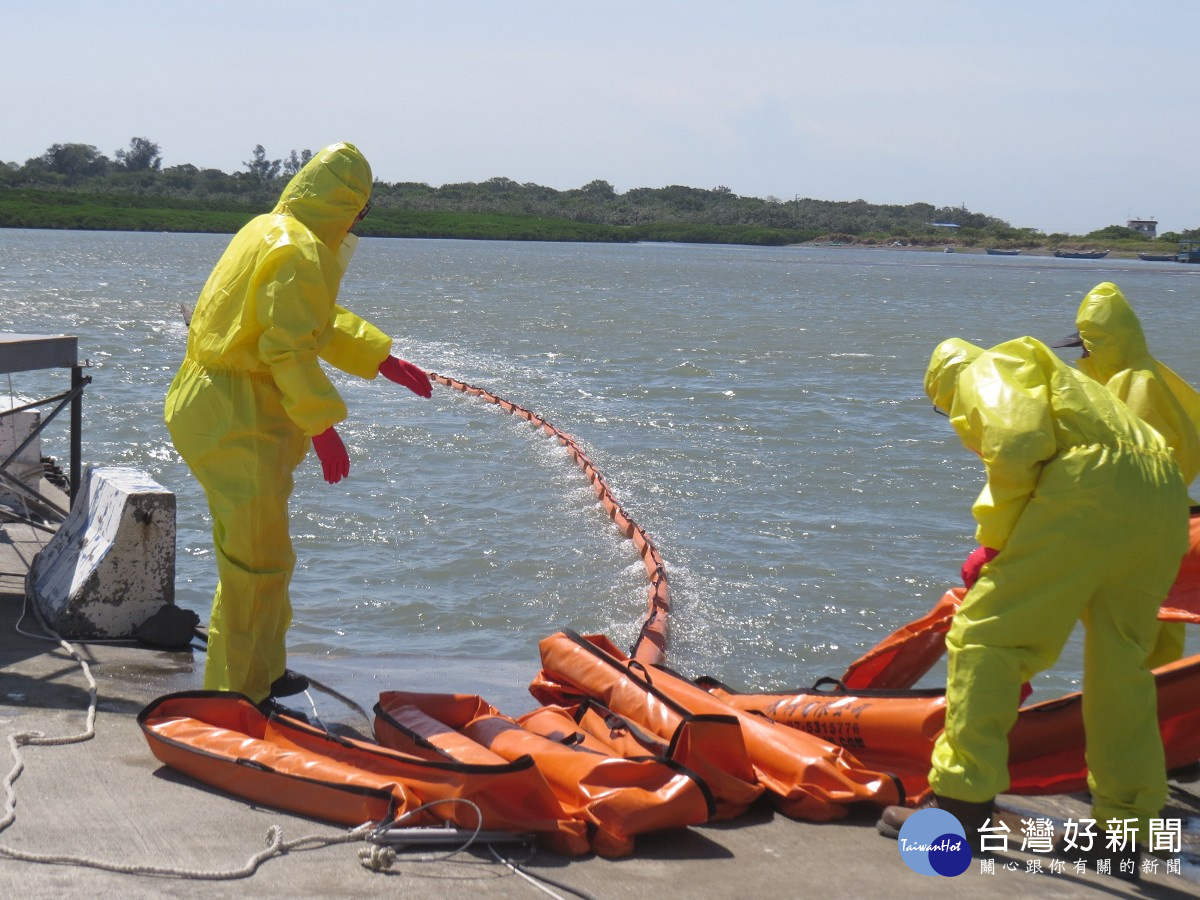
[469, 228]
[1043, 251]
[659, 221]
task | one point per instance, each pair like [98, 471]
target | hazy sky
[1059, 115]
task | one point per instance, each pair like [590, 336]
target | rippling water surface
[758, 412]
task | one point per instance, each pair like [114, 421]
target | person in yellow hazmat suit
[1087, 510]
[1115, 354]
[251, 395]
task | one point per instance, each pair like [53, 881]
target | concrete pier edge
[108, 799]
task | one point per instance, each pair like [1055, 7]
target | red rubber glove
[335, 461]
[398, 370]
[979, 557]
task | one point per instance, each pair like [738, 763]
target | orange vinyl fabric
[1183, 600]
[894, 730]
[710, 746]
[617, 798]
[225, 741]
[908, 653]
[905, 655]
[810, 778]
[873, 712]
[886, 730]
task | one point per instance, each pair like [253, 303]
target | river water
[758, 412]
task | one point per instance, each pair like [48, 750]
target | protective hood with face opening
[949, 358]
[329, 192]
[1018, 406]
[1111, 332]
[1120, 360]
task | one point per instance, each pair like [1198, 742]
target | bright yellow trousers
[232, 431]
[1169, 647]
[1099, 542]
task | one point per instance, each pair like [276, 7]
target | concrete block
[111, 564]
[27, 466]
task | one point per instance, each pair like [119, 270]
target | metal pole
[77, 383]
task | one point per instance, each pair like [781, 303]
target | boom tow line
[651, 645]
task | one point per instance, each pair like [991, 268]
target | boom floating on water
[651, 644]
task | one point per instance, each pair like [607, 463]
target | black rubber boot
[972, 817]
[289, 683]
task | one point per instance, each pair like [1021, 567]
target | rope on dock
[276, 846]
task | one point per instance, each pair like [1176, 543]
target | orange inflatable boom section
[651, 644]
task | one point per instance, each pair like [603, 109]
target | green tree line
[76, 186]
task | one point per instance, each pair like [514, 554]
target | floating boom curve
[651, 645]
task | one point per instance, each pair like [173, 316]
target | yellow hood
[949, 358]
[329, 192]
[1111, 333]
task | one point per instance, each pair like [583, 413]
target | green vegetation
[75, 186]
[395, 222]
[41, 208]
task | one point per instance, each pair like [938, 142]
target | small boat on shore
[996, 251]
[1157, 257]
[1081, 254]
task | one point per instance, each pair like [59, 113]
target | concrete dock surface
[92, 813]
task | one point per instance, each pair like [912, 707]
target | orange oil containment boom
[904, 656]
[873, 711]
[223, 740]
[617, 798]
[895, 730]
[809, 777]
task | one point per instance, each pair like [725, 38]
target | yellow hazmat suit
[1119, 359]
[1087, 508]
[251, 393]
